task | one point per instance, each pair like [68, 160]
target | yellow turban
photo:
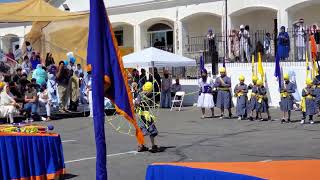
[286, 76]
[309, 81]
[222, 70]
[254, 78]
[241, 78]
[260, 82]
[147, 87]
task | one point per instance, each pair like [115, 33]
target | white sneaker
[302, 122]
[43, 118]
[311, 122]
[239, 118]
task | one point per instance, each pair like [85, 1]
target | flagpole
[226, 34]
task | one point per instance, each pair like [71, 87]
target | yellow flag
[260, 67]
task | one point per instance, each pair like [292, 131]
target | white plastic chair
[177, 101]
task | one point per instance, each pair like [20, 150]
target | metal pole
[226, 34]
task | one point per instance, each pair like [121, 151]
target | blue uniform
[253, 103]
[287, 99]
[262, 99]
[224, 100]
[309, 94]
[242, 99]
[316, 82]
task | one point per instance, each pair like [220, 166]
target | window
[119, 36]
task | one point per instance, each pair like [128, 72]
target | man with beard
[205, 99]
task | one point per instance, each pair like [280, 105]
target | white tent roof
[153, 57]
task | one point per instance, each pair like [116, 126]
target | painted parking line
[109, 155]
[65, 141]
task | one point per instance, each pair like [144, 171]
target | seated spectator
[40, 75]
[75, 93]
[49, 60]
[8, 105]
[44, 101]
[18, 75]
[26, 65]
[175, 88]
[35, 85]
[52, 69]
[22, 83]
[31, 99]
[15, 93]
[52, 90]
[17, 53]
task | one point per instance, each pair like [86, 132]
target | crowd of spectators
[37, 85]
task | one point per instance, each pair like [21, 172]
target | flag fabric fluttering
[201, 63]
[277, 72]
[260, 67]
[108, 79]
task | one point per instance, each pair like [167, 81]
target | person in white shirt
[244, 44]
[300, 35]
[205, 99]
[17, 53]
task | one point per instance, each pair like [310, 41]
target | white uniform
[205, 99]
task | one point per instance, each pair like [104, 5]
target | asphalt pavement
[187, 138]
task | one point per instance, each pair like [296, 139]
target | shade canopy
[153, 57]
[33, 10]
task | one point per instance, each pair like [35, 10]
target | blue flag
[201, 63]
[108, 79]
[277, 72]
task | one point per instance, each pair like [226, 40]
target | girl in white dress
[205, 99]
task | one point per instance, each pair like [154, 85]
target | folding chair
[178, 99]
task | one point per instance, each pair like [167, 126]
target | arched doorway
[308, 10]
[161, 36]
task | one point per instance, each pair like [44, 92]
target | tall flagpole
[226, 34]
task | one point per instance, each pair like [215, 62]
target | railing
[196, 46]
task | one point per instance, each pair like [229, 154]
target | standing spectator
[135, 76]
[31, 100]
[49, 60]
[235, 45]
[52, 89]
[211, 41]
[82, 89]
[35, 60]
[79, 69]
[29, 50]
[166, 90]
[10, 55]
[244, 44]
[44, 101]
[17, 53]
[88, 82]
[8, 104]
[63, 84]
[283, 44]
[143, 78]
[156, 84]
[74, 100]
[267, 46]
[40, 75]
[176, 88]
[317, 37]
[301, 40]
[26, 65]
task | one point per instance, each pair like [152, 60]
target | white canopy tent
[153, 57]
